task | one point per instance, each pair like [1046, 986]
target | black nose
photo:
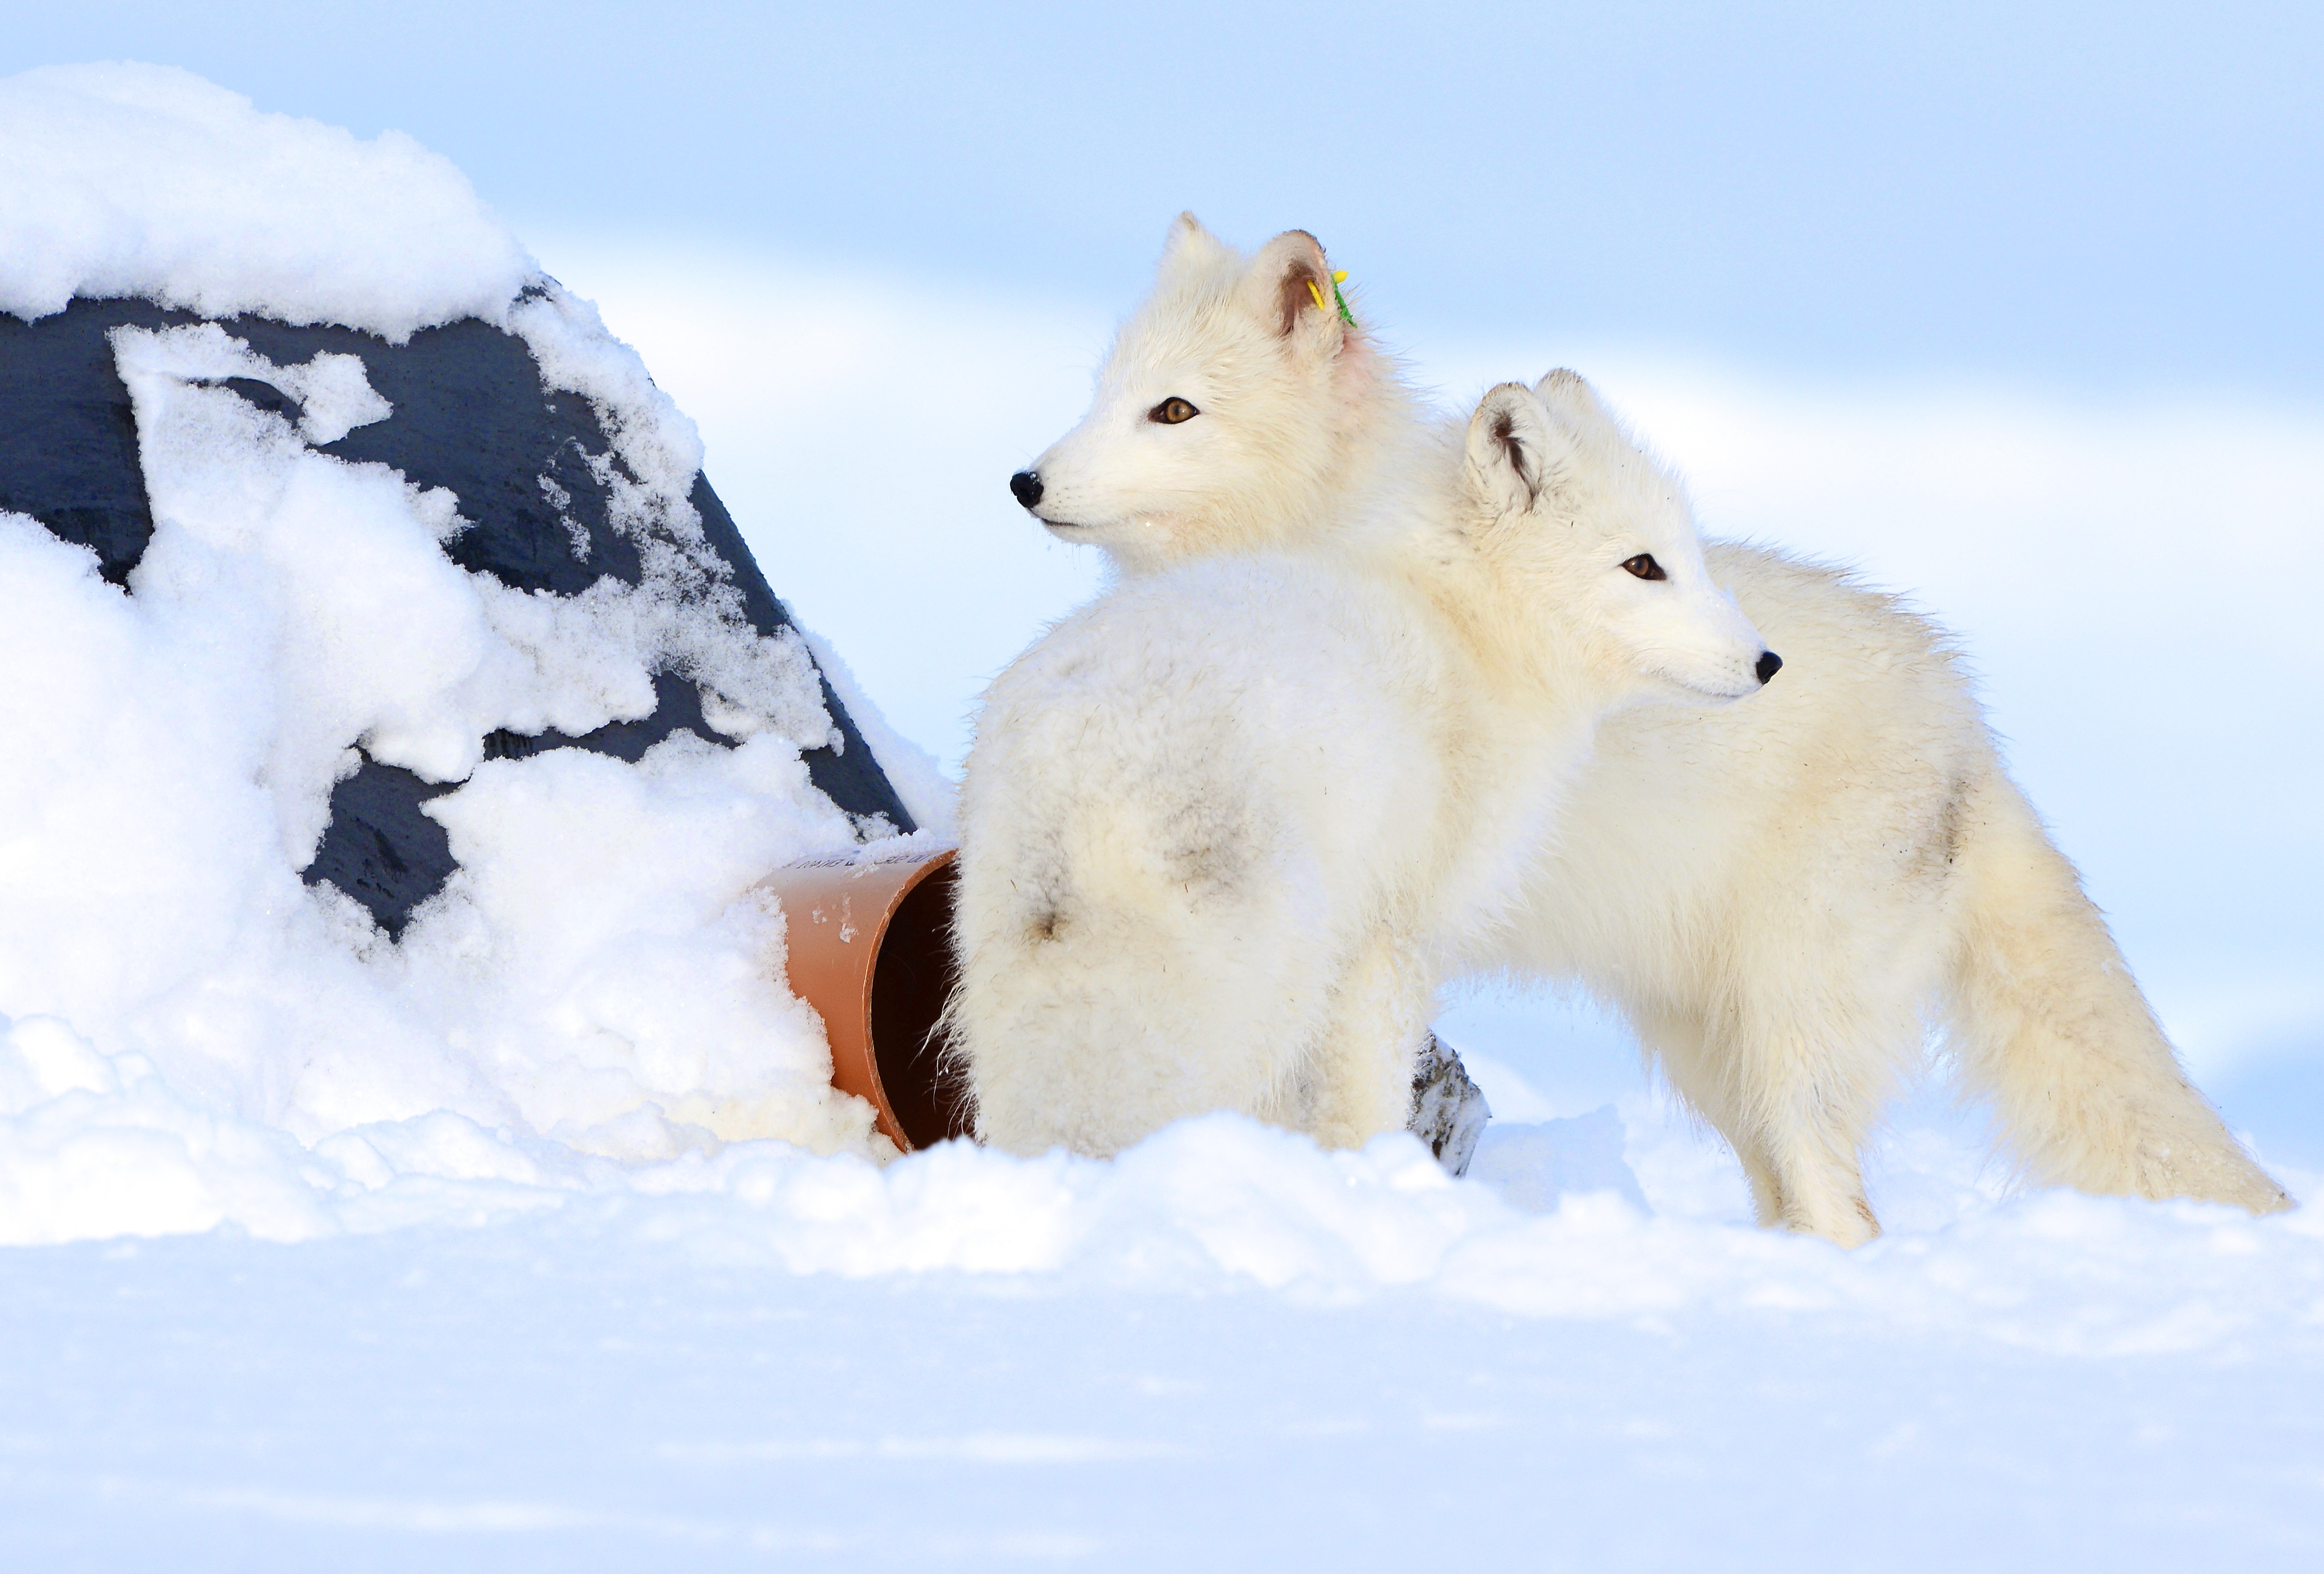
[1770, 663]
[1026, 487]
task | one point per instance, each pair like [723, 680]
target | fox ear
[1514, 450]
[1189, 241]
[1290, 287]
[1569, 393]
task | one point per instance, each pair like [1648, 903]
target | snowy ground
[472, 1286]
[1232, 1365]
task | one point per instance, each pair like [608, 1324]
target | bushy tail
[2047, 1021]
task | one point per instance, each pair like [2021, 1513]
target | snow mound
[146, 181]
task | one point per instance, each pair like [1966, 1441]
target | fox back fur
[1780, 897]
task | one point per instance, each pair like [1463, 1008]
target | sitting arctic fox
[1220, 827]
[1778, 897]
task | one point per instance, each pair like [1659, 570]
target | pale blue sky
[2097, 197]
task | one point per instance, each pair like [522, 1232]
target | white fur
[1221, 828]
[1781, 897]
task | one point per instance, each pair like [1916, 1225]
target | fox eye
[1172, 411]
[1645, 566]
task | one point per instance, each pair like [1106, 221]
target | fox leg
[1373, 1034]
[1818, 1183]
[1675, 1042]
[1817, 1067]
[1796, 1099]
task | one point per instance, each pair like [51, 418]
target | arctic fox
[1220, 827]
[1779, 897]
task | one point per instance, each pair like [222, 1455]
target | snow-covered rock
[295, 609]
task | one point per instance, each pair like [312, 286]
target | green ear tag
[1346, 316]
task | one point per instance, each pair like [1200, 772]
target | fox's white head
[1591, 543]
[1241, 405]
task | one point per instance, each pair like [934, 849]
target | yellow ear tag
[1316, 290]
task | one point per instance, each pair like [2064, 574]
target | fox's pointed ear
[1189, 241]
[1289, 287]
[1569, 393]
[1515, 451]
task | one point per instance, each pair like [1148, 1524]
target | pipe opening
[910, 982]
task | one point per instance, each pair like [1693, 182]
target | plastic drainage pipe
[870, 949]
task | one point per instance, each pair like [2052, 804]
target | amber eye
[1645, 566]
[1172, 411]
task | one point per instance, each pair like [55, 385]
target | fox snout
[1025, 486]
[1770, 663]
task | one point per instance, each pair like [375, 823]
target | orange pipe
[870, 949]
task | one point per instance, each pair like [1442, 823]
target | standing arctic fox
[1779, 897]
[1220, 827]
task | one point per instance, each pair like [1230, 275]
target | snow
[1226, 1347]
[137, 179]
[537, 1238]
